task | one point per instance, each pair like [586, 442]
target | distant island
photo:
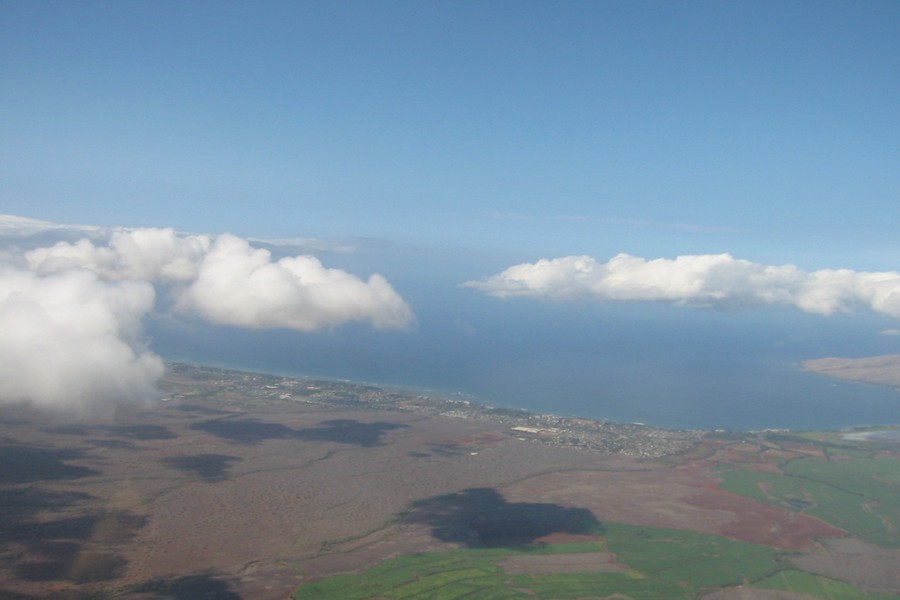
[881, 370]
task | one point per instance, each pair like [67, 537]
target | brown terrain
[231, 496]
[881, 370]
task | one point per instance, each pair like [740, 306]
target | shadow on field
[211, 467]
[113, 444]
[348, 431]
[26, 464]
[48, 541]
[344, 431]
[68, 430]
[481, 517]
[71, 548]
[140, 432]
[191, 587]
[135, 432]
[75, 548]
[5, 595]
[19, 506]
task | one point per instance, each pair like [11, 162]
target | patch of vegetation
[861, 495]
[851, 490]
[799, 582]
[657, 563]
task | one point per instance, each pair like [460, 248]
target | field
[629, 562]
[236, 489]
[849, 490]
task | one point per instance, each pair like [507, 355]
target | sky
[388, 153]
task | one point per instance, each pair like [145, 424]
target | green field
[800, 582]
[656, 563]
[851, 490]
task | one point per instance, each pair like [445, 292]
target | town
[236, 388]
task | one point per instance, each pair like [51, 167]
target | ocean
[665, 366]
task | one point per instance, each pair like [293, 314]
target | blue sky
[767, 129]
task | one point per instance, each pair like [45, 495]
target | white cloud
[71, 312]
[716, 280]
[148, 254]
[230, 282]
[72, 341]
[891, 332]
[241, 285]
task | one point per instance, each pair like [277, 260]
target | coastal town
[236, 388]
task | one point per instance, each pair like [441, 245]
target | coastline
[849, 421]
[633, 439]
[180, 384]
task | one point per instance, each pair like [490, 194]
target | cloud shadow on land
[66, 561]
[6, 595]
[348, 431]
[344, 431]
[137, 432]
[19, 506]
[26, 464]
[76, 548]
[211, 467]
[141, 432]
[190, 587]
[68, 430]
[482, 518]
[66, 548]
[193, 408]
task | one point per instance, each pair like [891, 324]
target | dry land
[881, 370]
[241, 485]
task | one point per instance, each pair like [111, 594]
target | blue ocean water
[662, 365]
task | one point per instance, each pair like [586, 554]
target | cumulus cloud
[71, 341]
[714, 280]
[241, 285]
[71, 312]
[226, 280]
[147, 254]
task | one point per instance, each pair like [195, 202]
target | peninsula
[880, 370]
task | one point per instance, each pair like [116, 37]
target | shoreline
[758, 396]
[586, 432]
[184, 381]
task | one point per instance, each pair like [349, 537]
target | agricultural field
[854, 487]
[629, 562]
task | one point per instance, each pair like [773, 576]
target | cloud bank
[71, 313]
[710, 280]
